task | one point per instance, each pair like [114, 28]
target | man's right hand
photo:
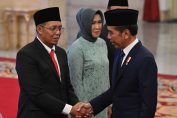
[81, 110]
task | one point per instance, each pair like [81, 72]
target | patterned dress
[89, 69]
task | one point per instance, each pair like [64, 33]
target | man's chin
[55, 43]
[114, 45]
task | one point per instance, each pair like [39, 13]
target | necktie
[119, 55]
[122, 54]
[54, 62]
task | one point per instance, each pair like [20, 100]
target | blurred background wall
[16, 22]
[17, 26]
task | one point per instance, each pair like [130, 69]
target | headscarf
[84, 19]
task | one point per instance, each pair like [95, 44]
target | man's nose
[58, 31]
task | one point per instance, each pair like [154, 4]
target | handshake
[82, 110]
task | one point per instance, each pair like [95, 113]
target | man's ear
[126, 34]
[39, 29]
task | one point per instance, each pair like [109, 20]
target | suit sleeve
[31, 83]
[102, 101]
[75, 62]
[148, 87]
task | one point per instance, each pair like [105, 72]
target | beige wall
[26, 5]
[62, 5]
[173, 9]
[168, 9]
[138, 5]
[2, 6]
[68, 10]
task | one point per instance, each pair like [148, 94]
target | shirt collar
[45, 46]
[129, 47]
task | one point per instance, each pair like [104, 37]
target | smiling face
[50, 32]
[96, 26]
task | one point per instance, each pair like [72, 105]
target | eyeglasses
[54, 29]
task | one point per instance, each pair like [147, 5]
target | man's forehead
[118, 7]
[111, 27]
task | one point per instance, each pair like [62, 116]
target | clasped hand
[82, 110]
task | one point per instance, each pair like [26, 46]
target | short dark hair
[132, 28]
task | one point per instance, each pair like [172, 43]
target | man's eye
[109, 32]
[53, 28]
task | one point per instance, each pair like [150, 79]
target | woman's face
[96, 26]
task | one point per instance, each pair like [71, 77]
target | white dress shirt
[128, 48]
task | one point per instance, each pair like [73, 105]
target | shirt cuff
[67, 109]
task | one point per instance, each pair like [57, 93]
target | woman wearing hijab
[87, 58]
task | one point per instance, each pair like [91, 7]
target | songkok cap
[118, 3]
[121, 17]
[45, 15]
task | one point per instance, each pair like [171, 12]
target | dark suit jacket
[111, 50]
[134, 92]
[42, 95]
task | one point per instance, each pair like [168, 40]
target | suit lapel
[44, 55]
[130, 57]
